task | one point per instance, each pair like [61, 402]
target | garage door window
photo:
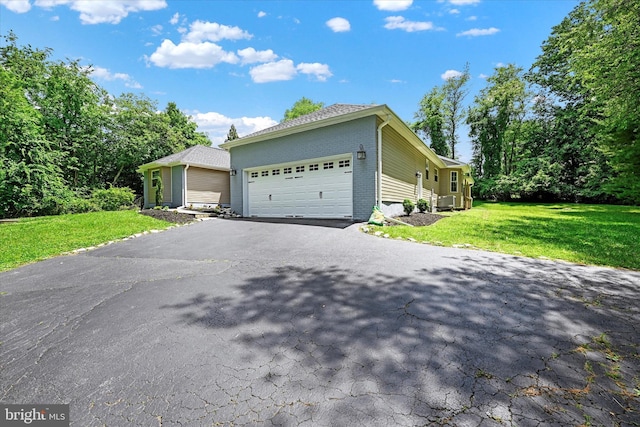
[275, 172]
[254, 174]
[313, 167]
[299, 169]
[287, 170]
[328, 165]
[344, 163]
[265, 173]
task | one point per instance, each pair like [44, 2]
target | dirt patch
[418, 219]
[169, 216]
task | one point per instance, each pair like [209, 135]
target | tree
[430, 121]
[233, 134]
[455, 90]
[301, 107]
[591, 65]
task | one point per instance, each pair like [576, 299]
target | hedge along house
[339, 162]
[197, 176]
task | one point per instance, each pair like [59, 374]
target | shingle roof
[451, 162]
[198, 155]
[331, 111]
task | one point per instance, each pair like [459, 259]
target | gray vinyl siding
[323, 142]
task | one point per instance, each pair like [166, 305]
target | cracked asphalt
[228, 322]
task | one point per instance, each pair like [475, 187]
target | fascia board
[304, 127]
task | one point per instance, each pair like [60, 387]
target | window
[313, 167]
[299, 169]
[265, 173]
[426, 171]
[435, 175]
[275, 172]
[454, 181]
[155, 177]
[254, 174]
[287, 170]
[344, 163]
[327, 165]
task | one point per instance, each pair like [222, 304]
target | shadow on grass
[438, 346]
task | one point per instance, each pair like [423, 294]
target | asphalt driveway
[254, 323]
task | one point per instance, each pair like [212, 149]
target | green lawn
[34, 239]
[589, 234]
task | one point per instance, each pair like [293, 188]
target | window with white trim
[454, 181]
[254, 174]
[344, 163]
[313, 167]
[327, 165]
[287, 170]
[299, 169]
[435, 175]
[155, 177]
[265, 173]
[275, 172]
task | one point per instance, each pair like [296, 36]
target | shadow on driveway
[521, 346]
[330, 223]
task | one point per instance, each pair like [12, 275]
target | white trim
[297, 162]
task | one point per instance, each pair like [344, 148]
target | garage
[314, 188]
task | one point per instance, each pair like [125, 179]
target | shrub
[113, 199]
[408, 206]
[81, 205]
[159, 191]
[422, 205]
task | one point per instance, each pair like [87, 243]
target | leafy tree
[430, 121]
[183, 130]
[233, 134]
[301, 107]
[455, 90]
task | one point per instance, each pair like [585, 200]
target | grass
[588, 234]
[34, 239]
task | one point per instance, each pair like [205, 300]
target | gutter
[379, 149]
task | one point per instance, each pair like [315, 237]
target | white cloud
[104, 11]
[191, 55]
[157, 29]
[454, 12]
[251, 56]
[338, 25]
[449, 74]
[175, 19]
[104, 74]
[394, 81]
[262, 14]
[482, 76]
[475, 32]
[320, 71]
[392, 5]
[472, 18]
[273, 71]
[17, 6]
[217, 125]
[399, 23]
[463, 2]
[212, 31]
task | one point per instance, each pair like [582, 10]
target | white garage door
[309, 189]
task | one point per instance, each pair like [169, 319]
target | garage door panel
[313, 192]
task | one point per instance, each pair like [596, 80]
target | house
[196, 176]
[339, 162]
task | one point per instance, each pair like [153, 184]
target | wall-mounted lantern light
[233, 172]
[361, 153]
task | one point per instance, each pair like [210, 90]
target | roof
[198, 155]
[332, 111]
[451, 162]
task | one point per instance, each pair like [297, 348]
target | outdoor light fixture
[361, 153]
[233, 172]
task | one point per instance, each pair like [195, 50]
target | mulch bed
[418, 219]
[169, 216]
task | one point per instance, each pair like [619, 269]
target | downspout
[379, 177]
[184, 187]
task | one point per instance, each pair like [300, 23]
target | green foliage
[159, 191]
[422, 205]
[408, 206]
[34, 239]
[233, 133]
[113, 199]
[301, 107]
[591, 234]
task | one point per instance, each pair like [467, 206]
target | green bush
[113, 199]
[81, 205]
[408, 206]
[422, 205]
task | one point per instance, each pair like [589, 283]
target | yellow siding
[400, 162]
[207, 186]
[166, 185]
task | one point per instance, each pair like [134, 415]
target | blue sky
[246, 62]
